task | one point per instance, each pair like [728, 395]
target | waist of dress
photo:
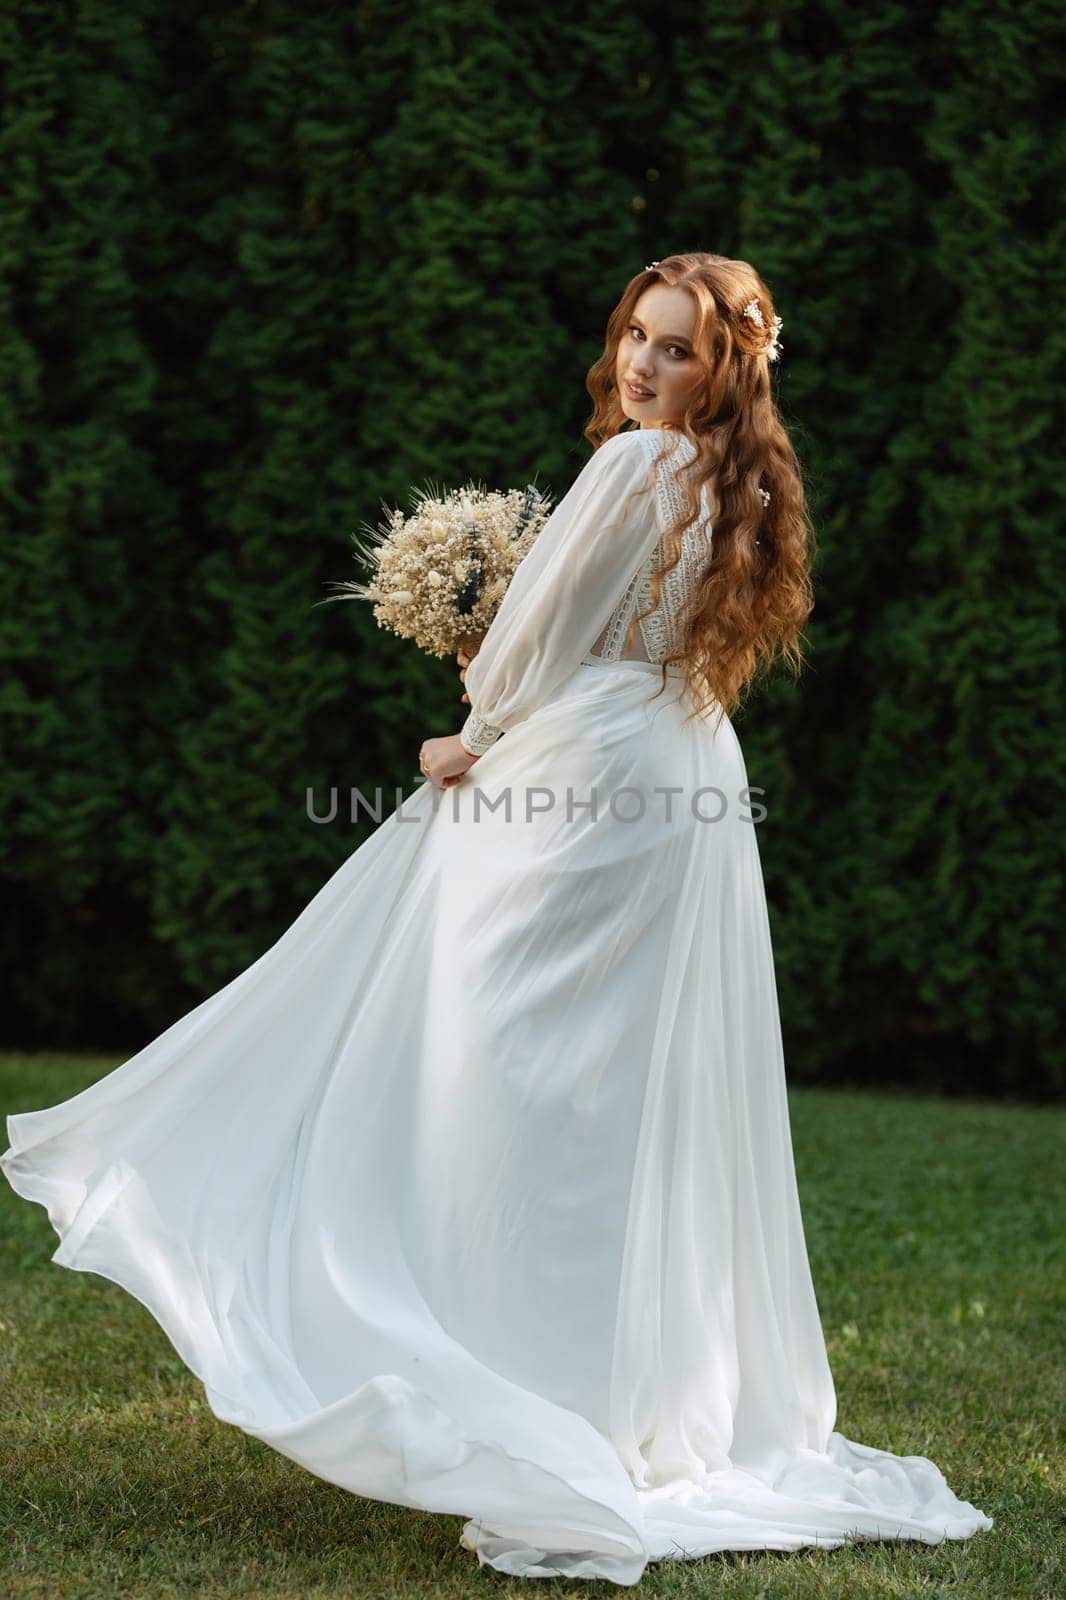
[674, 669]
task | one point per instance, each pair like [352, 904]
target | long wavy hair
[756, 592]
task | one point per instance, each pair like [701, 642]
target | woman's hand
[464, 658]
[445, 760]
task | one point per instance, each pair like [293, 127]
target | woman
[475, 1193]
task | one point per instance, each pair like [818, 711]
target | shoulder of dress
[628, 441]
[635, 449]
[676, 444]
[653, 443]
[628, 452]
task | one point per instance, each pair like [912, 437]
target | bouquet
[437, 575]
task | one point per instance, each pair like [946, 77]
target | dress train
[475, 1192]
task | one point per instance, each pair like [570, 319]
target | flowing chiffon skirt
[475, 1193]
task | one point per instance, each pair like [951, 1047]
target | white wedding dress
[475, 1192]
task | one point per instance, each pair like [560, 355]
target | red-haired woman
[475, 1193]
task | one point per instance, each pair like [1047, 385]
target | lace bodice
[587, 575]
[662, 632]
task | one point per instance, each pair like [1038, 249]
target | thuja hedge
[265, 265]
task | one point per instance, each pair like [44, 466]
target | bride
[475, 1193]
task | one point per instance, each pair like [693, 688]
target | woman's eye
[682, 353]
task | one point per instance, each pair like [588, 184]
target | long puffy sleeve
[564, 590]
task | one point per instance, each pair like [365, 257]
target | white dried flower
[765, 496]
[753, 312]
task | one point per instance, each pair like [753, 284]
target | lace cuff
[476, 735]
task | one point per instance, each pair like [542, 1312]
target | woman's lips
[638, 394]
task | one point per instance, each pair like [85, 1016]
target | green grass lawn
[936, 1239]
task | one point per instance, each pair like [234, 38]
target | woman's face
[655, 356]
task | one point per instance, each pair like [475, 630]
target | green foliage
[266, 266]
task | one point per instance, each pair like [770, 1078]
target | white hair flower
[754, 314]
